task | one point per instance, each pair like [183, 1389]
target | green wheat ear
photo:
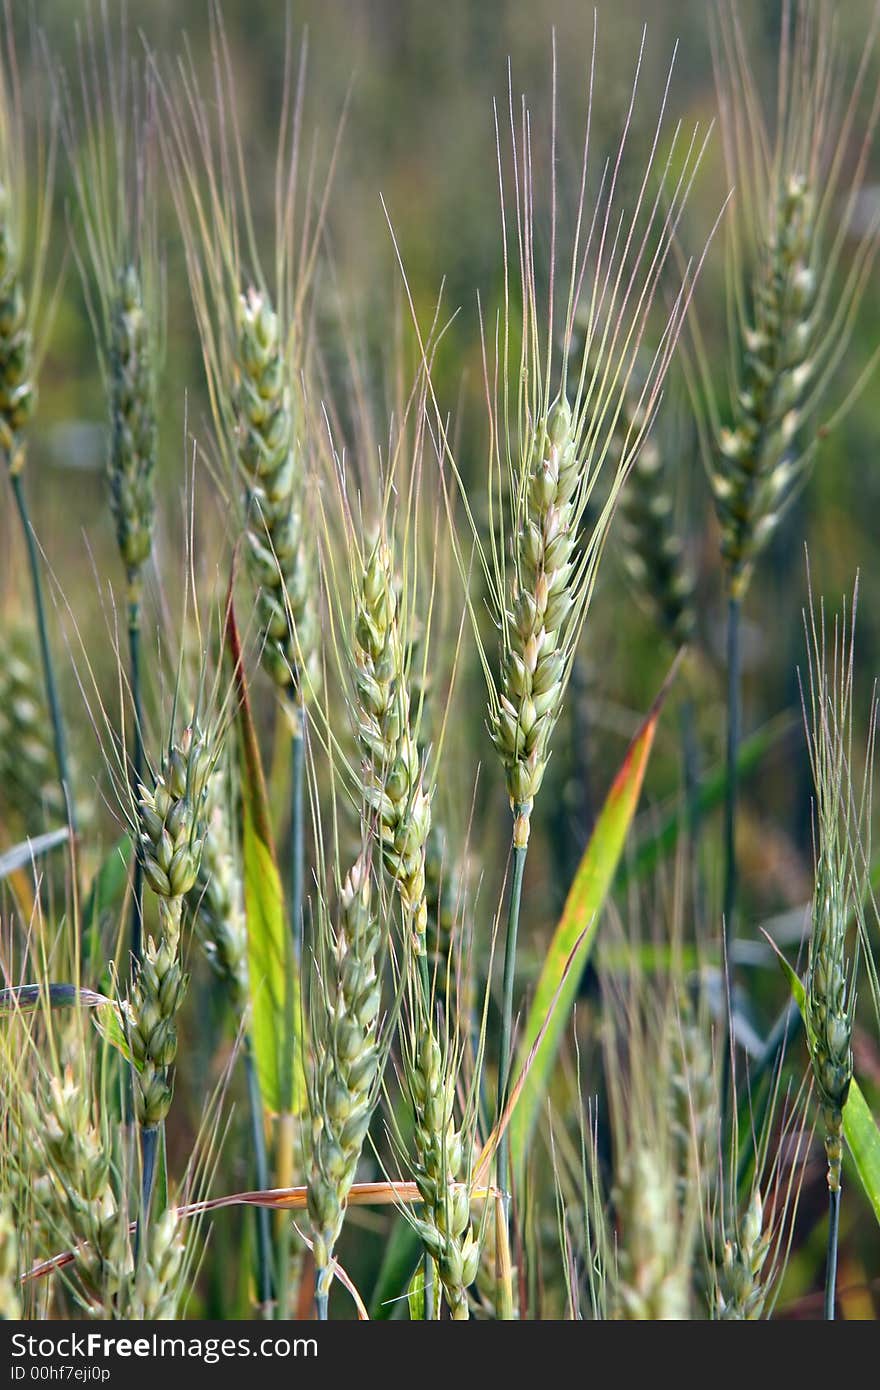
[842, 833]
[133, 448]
[271, 458]
[541, 599]
[396, 786]
[741, 1292]
[171, 831]
[440, 1168]
[346, 1064]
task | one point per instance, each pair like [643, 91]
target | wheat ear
[171, 829]
[345, 1070]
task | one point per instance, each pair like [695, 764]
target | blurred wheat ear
[841, 832]
[27, 169]
[109, 126]
[794, 290]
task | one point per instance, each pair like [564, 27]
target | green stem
[286, 1123]
[321, 1306]
[137, 767]
[519, 863]
[297, 832]
[58, 734]
[261, 1165]
[149, 1150]
[831, 1265]
[284, 1165]
[730, 808]
[427, 1260]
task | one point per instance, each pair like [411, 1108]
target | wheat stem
[831, 1266]
[149, 1151]
[137, 767]
[58, 734]
[730, 810]
[261, 1166]
[519, 864]
[297, 830]
[284, 1168]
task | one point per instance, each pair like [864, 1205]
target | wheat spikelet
[157, 1292]
[741, 1291]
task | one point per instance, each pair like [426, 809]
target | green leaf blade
[276, 1009]
[557, 986]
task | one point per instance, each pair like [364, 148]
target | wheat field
[437, 661]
